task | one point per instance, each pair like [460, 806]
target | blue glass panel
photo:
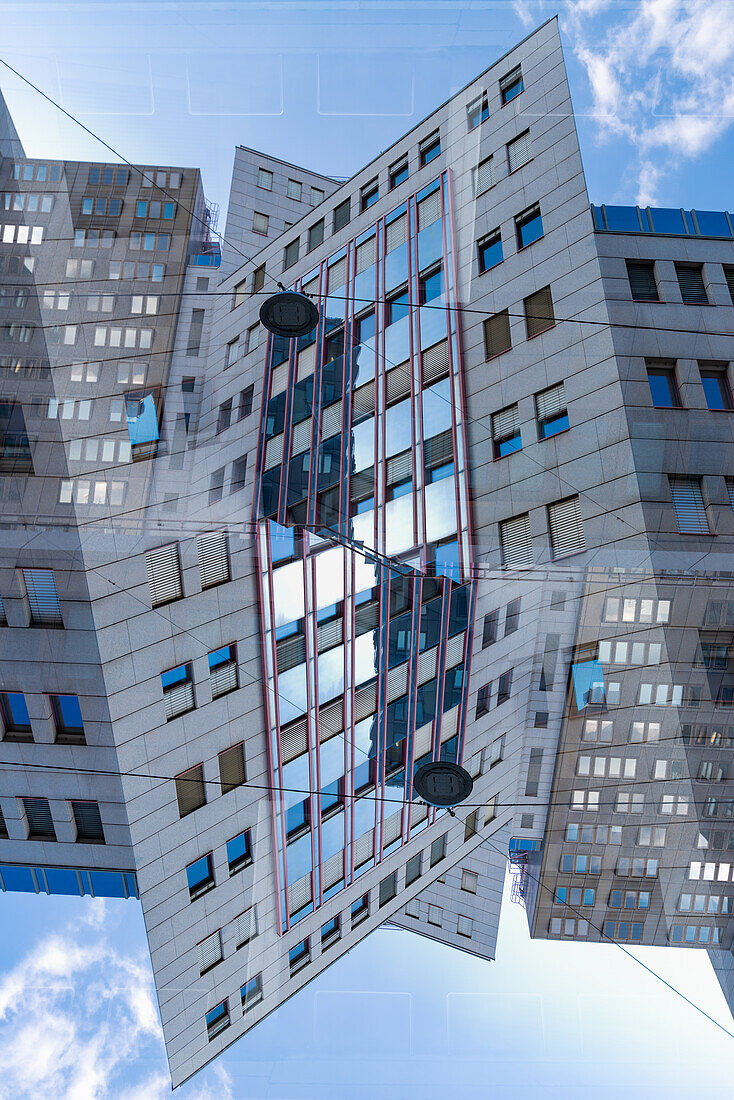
[18, 709]
[597, 215]
[334, 309]
[270, 492]
[220, 656]
[364, 816]
[62, 881]
[281, 349]
[712, 223]
[588, 679]
[282, 544]
[667, 220]
[624, 219]
[300, 860]
[332, 836]
[449, 750]
[331, 672]
[332, 380]
[132, 884]
[329, 471]
[397, 342]
[18, 879]
[430, 623]
[296, 816]
[333, 890]
[459, 610]
[430, 244]
[438, 473]
[107, 884]
[437, 408]
[490, 254]
[554, 425]
[530, 230]
[295, 917]
[433, 324]
[447, 560]
[275, 418]
[398, 428]
[298, 476]
[425, 706]
[175, 676]
[508, 446]
[331, 760]
[429, 188]
[292, 693]
[142, 418]
[452, 687]
[70, 711]
[216, 1014]
[396, 267]
[303, 399]
[238, 849]
[363, 445]
[296, 780]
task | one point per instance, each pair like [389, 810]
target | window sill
[19, 737]
[359, 918]
[497, 354]
[514, 171]
[235, 868]
[299, 965]
[553, 435]
[548, 328]
[524, 247]
[246, 1007]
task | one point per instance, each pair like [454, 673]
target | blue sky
[328, 85]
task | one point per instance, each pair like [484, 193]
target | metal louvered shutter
[365, 256]
[179, 699]
[484, 175]
[439, 449]
[337, 274]
[88, 822]
[213, 558]
[396, 233]
[3, 618]
[245, 927]
[399, 468]
[43, 597]
[397, 682]
[231, 768]
[690, 281]
[3, 826]
[517, 546]
[690, 510]
[497, 334]
[333, 870]
[551, 402]
[331, 420]
[642, 281]
[223, 678]
[291, 652]
[539, 314]
[274, 452]
[210, 951]
[423, 740]
[164, 574]
[279, 379]
[329, 634]
[566, 528]
[302, 437]
[40, 822]
[299, 893]
[455, 650]
[364, 847]
[505, 423]
[519, 151]
[449, 724]
[429, 210]
[435, 362]
[366, 617]
[365, 702]
[729, 275]
[730, 490]
[293, 741]
[397, 383]
[331, 720]
[391, 829]
[418, 814]
[363, 400]
[306, 361]
[427, 665]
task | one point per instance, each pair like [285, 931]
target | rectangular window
[566, 528]
[692, 287]
[550, 408]
[316, 235]
[190, 792]
[469, 881]
[483, 700]
[519, 151]
[239, 474]
[231, 352]
[299, 955]
[238, 295]
[360, 909]
[477, 111]
[163, 567]
[223, 670]
[217, 1020]
[506, 432]
[265, 179]
[244, 406]
[490, 251]
[529, 226]
[512, 616]
[504, 687]
[342, 215]
[258, 279]
[490, 629]
[16, 720]
[224, 417]
[251, 992]
[438, 850]
[690, 511]
[388, 888]
[245, 927]
[294, 190]
[413, 868]
[290, 254]
[212, 549]
[497, 334]
[178, 691]
[539, 312]
[232, 768]
[398, 174]
[88, 823]
[260, 223]
[429, 149]
[511, 85]
[67, 720]
[43, 597]
[216, 486]
[330, 932]
[716, 388]
[196, 327]
[239, 852]
[317, 196]
[641, 275]
[38, 818]
[210, 951]
[484, 175]
[435, 915]
[516, 543]
[533, 777]
[663, 388]
[369, 195]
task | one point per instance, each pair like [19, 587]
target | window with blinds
[251, 992]
[566, 528]
[429, 210]
[337, 274]
[497, 334]
[210, 951]
[730, 490]
[484, 177]
[539, 312]
[519, 151]
[290, 253]
[190, 792]
[388, 888]
[506, 431]
[690, 281]
[729, 276]
[3, 826]
[641, 275]
[213, 558]
[178, 691]
[43, 597]
[299, 893]
[550, 408]
[163, 567]
[245, 927]
[516, 543]
[223, 670]
[232, 768]
[38, 818]
[365, 255]
[3, 618]
[396, 232]
[690, 510]
[341, 215]
[88, 822]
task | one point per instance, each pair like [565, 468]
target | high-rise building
[469, 517]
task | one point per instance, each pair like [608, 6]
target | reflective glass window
[397, 307]
[303, 399]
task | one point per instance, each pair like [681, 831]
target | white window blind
[364, 848]
[245, 926]
[423, 739]
[43, 597]
[365, 255]
[331, 420]
[391, 829]
[210, 951]
[333, 870]
[484, 175]
[179, 699]
[454, 650]
[223, 678]
[435, 362]
[469, 881]
[464, 926]
[299, 893]
[519, 151]
[690, 510]
[551, 402]
[396, 233]
[566, 528]
[429, 210]
[164, 574]
[294, 189]
[213, 558]
[435, 915]
[337, 274]
[505, 423]
[293, 741]
[517, 546]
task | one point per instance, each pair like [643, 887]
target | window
[193, 347]
[413, 908]
[290, 254]
[690, 511]
[490, 628]
[299, 955]
[398, 174]
[539, 312]
[223, 670]
[224, 417]
[342, 215]
[231, 352]
[213, 558]
[251, 992]
[438, 850]
[244, 406]
[258, 279]
[512, 616]
[190, 792]
[690, 281]
[16, 721]
[519, 151]
[413, 868]
[469, 881]
[369, 195]
[238, 295]
[511, 85]
[490, 251]
[528, 226]
[397, 307]
[516, 543]
[663, 388]
[210, 951]
[239, 852]
[497, 334]
[360, 909]
[566, 528]
[483, 700]
[178, 691]
[550, 408]
[245, 927]
[464, 926]
[216, 486]
[239, 474]
[68, 720]
[429, 149]
[260, 223]
[388, 888]
[484, 176]
[478, 111]
[317, 196]
[506, 432]
[504, 687]
[430, 286]
[43, 597]
[38, 819]
[716, 388]
[641, 275]
[88, 823]
[330, 932]
[435, 915]
[232, 768]
[164, 574]
[294, 190]
[316, 235]
[217, 1020]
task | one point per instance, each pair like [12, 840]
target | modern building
[250, 584]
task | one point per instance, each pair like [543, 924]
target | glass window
[14, 712]
[716, 389]
[370, 195]
[397, 307]
[398, 174]
[431, 285]
[67, 714]
[200, 876]
[430, 149]
[490, 251]
[511, 85]
[239, 853]
[478, 111]
[663, 388]
[529, 226]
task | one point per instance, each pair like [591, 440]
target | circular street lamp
[289, 314]
[440, 783]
